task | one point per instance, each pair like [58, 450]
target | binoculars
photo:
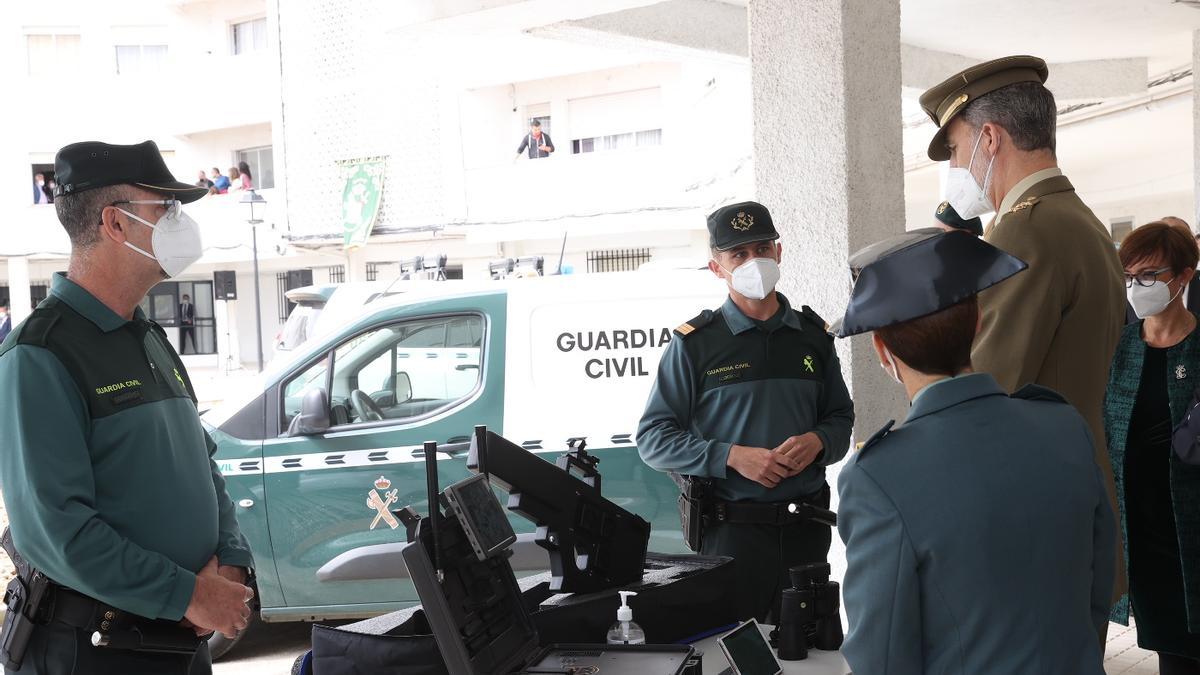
[809, 616]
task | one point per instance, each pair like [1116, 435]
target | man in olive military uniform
[979, 536]
[751, 396]
[106, 470]
[1056, 325]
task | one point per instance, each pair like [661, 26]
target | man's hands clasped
[220, 601]
[769, 467]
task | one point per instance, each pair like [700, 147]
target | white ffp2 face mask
[890, 367]
[1150, 300]
[964, 193]
[755, 278]
[176, 240]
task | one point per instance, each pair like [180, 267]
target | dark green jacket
[106, 471]
[1183, 378]
[724, 381]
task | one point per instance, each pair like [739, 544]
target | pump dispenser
[625, 631]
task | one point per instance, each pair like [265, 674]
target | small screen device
[748, 652]
[481, 516]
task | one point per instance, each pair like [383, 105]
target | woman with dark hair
[1154, 374]
[247, 179]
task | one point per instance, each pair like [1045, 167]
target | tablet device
[748, 652]
[481, 515]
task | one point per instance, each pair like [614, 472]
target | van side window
[298, 386]
[407, 370]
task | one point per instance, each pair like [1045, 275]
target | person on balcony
[221, 183]
[536, 143]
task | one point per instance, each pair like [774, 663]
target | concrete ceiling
[1057, 30]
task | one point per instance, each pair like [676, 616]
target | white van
[327, 437]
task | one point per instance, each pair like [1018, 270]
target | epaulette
[691, 325]
[157, 328]
[814, 318]
[879, 435]
[1034, 392]
[1024, 205]
[36, 329]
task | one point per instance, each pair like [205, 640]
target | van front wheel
[219, 645]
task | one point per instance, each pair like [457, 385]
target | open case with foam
[459, 563]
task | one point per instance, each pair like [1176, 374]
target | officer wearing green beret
[948, 219]
[1058, 324]
[751, 397]
[106, 470]
[979, 537]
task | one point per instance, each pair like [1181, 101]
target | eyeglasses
[1144, 279]
[171, 205]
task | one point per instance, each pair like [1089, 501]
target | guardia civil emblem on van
[742, 222]
[381, 503]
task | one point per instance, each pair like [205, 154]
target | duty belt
[114, 628]
[772, 513]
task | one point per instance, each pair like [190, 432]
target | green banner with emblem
[361, 198]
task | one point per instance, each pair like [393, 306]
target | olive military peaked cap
[918, 273]
[741, 223]
[92, 164]
[949, 98]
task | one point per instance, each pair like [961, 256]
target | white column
[19, 297]
[828, 160]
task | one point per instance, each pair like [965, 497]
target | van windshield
[299, 327]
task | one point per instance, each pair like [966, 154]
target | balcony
[217, 91]
[35, 230]
[624, 190]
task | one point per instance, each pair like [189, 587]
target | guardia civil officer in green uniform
[751, 396]
[106, 471]
[979, 536]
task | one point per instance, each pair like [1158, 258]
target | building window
[53, 54]
[141, 59]
[337, 274]
[250, 36]
[372, 271]
[1121, 227]
[633, 139]
[262, 165]
[164, 305]
[617, 260]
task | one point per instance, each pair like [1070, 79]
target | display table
[817, 663]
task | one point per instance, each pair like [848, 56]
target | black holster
[695, 502]
[25, 598]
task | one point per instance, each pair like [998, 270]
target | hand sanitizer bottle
[625, 631]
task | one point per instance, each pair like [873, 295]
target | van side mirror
[314, 415]
[403, 388]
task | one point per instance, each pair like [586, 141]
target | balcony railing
[583, 185]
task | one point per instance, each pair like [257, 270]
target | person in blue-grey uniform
[750, 397]
[107, 473]
[979, 535]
